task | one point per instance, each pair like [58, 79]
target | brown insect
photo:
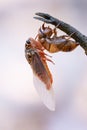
[36, 57]
[53, 43]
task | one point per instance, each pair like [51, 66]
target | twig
[68, 29]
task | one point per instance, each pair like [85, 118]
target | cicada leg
[68, 37]
[55, 30]
[43, 56]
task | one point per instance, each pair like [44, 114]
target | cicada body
[53, 43]
[41, 73]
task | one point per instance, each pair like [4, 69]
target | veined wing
[42, 82]
[47, 96]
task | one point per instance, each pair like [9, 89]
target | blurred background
[20, 105]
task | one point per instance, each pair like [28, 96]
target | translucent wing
[42, 82]
[46, 95]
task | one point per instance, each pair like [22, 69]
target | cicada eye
[28, 41]
[28, 44]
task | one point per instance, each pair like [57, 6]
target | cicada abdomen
[41, 75]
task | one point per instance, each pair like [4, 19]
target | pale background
[20, 105]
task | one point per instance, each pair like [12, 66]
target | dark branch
[68, 29]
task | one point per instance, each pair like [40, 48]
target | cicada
[36, 57]
[52, 42]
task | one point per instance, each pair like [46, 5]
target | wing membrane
[41, 81]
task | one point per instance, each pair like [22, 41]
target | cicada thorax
[53, 43]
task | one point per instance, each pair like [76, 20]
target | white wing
[47, 96]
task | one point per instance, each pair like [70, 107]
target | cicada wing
[42, 81]
[46, 95]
